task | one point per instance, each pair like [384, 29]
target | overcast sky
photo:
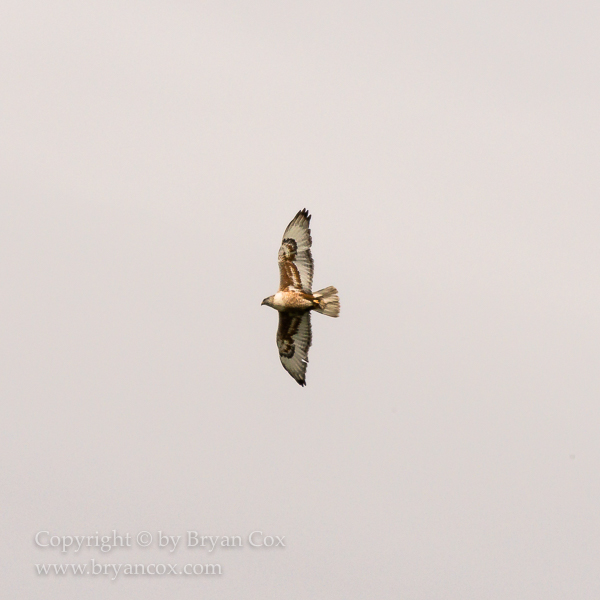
[152, 153]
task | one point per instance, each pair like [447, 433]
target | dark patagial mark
[291, 246]
[287, 349]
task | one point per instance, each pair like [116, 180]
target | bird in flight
[295, 300]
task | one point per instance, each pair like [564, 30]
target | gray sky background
[152, 153]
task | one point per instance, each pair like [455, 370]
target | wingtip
[304, 213]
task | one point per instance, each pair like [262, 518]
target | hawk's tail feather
[327, 302]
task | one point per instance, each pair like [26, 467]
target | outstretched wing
[295, 260]
[293, 341]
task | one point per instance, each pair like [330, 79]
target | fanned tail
[327, 302]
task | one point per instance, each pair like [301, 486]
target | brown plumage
[294, 300]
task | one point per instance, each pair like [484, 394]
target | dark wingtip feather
[304, 213]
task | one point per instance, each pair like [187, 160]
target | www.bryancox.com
[115, 569]
[64, 544]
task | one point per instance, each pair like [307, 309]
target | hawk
[295, 300]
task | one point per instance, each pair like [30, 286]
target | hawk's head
[268, 301]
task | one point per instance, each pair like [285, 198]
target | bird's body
[294, 300]
[291, 299]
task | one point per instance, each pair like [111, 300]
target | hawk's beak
[263, 302]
